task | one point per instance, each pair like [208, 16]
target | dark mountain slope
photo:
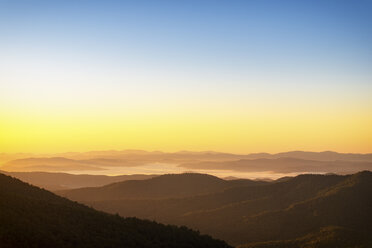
[347, 204]
[32, 217]
[282, 210]
[165, 186]
[327, 237]
[227, 205]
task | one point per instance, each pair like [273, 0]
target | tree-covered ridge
[326, 237]
[287, 209]
[159, 187]
[32, 217]
[341, 214]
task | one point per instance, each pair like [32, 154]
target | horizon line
[182, 151]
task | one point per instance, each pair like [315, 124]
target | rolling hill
[290, 210]
[32, 217]
[165, 186]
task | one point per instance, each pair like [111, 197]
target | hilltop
[164, 186]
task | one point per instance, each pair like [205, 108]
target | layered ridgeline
[32, 217]
[164, 186]
[303, 211]
[100, 161]
[60, 181]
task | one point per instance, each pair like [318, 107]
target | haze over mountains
[303, 199]
[331, 208]
[221, 164]
[283, 165]
[291, 212]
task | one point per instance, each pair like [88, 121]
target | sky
[231, 76]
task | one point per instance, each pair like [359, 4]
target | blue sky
[277, 57]
[219, 34]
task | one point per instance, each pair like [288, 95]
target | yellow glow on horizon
[176, 79]
[189, 129]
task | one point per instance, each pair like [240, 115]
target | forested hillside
[291, 209]
[32, 217]
[160, 187]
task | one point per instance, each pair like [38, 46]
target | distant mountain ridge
[321, 156]
[283, 165]
[332, 162]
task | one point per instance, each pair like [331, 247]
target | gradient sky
[234, 76]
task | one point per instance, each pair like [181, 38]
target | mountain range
[283, 165]
[295, 161]
[289, 212]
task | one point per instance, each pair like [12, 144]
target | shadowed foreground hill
[328, 207]
[165, 186]
[32, 217]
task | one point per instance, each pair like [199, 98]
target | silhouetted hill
[165, 186]
[287, 209]
[32, 217]
[59, 181]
